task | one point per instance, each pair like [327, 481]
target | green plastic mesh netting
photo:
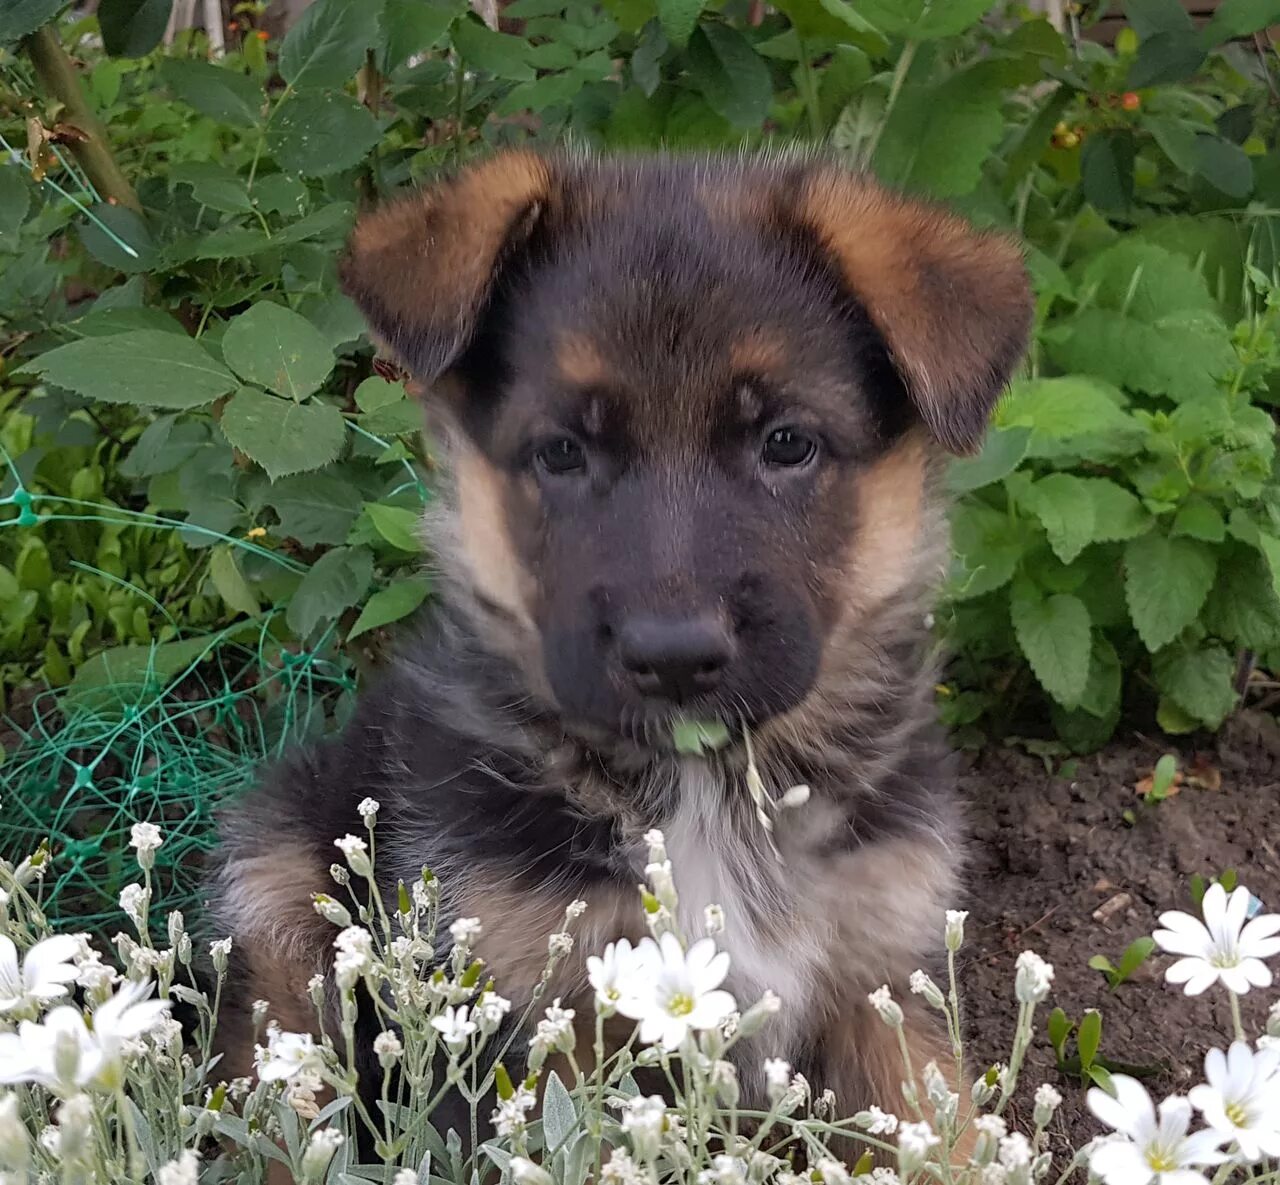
[160, 734]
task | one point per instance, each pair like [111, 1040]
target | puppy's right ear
[422, 268]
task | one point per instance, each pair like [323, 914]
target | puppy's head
[691, 406]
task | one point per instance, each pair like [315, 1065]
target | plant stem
[900, 72]
[58, 77]
[1237, 1025]
[810, 90]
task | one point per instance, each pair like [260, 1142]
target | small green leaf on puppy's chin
[696, 736]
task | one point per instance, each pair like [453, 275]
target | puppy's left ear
[951, 302]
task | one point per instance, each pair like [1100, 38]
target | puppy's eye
[789, 448]
[561, 456]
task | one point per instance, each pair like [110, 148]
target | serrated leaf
[1061, 408]
[276, 348]
[1199, 520]
[397, 525]
[678, 19]
[15, 200]
[558, 1115]
[1198, 680]
[732, 77]
[392, 603]
[20, 17]
[212, 185]
[1055, 635]
[499, 54]
[132, 28]
[230, 582]
[1064, 505]
[413, 26]
[216, 91]
[336, 581]
[1243, 607]
[282, 436]
[327, 44]
[1118, 514]
[150, 367]
[1002, 451]
[1166, 582]
[986, 547]
[1101, 698]
[314, 508]
[319, 134]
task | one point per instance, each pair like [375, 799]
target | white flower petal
[1120, 1163]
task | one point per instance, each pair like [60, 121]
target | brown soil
[1056, 868]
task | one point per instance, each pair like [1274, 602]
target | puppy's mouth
[694, 728]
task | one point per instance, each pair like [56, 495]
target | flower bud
[331, 910]
[755, 1017]
[990, 1131]
[954, 933]
[525, 1172]
[922, 985]
[319, 1152]
[887, 1008]
[1033, 978]
[1048, 1101]
[219, 953]
[15, 1144]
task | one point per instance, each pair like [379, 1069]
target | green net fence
[162, 734]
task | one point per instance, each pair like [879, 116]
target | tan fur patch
[495, 570]
[580, 361]
[758, 353]
[952, 302]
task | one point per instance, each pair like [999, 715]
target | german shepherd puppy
[694, 414]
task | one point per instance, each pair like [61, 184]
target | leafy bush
[1118, 541]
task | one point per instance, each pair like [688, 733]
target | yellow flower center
[1159, 1161]
[680, 1004]
[1237, 1114]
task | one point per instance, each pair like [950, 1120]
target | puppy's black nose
[677, 658]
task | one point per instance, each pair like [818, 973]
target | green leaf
[1106, 170]
[132, 28]
[678, 19]
[326, 45]
[230, 582]
[1135, 954]
[1169, 56]
[150, 367]
[131, 666]
[733, 78]
[398, 525]
[1061, 408]
[1101, 698]
[166, 443]
[336, 581]
[282, 436]
[216, 91]
[1224, 165]
[276, 348]
[15, 200]
[1100, 1076]
[1001, 454]
[1059, 1030]
[1064, 505]
[1055, 635]
[922, 20]
[558, 1114]
[986, 547]
[1118, 514]
[212, 185]
[1198, 680]
[318, 134]
[20, 17]
[1243, 607]
[413, 26]
[1089, 1037]
[1240, 18]
[1269, 545]
[1103, 964]
[392, 603]
[939, 136]
[646, 61]
[314, 508]
[696, 737]
[1198, 519]
[499, 54]
[1166, 582]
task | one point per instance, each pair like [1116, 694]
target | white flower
[15, 1143]
[615, 973]
[1241, 1099]
[682, 992]
[886, 1006]
[387, 1047]
[833, 1172]
[1033, 977]
[525, 1172]
[643, 1119]
[300, 1094]
[954, 934]
[1222, 947]
[1153, 1151]
[922, 985]
[356, 853]
[915, 1140]
[876, 1121]
[355, 955]
[145, 837]
[620, 1169]
[1048, 1100]
[555, 1029]
[465, 931]
[220, 952]
[454, 1026]
[489, 1011]
[777, 1076]
[405, 1177]
[134, 900]
[319, 1151]
[288, 1054]
[512, 1114]
[42, 974]
[559, 944]
[368, 809]
[183, 1171]
[727, 1170]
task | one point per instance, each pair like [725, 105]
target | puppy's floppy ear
[951, 302]
[422, 268]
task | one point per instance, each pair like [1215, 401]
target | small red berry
[1130, 101]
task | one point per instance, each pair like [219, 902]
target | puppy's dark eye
[788, 447]
[561, 456]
